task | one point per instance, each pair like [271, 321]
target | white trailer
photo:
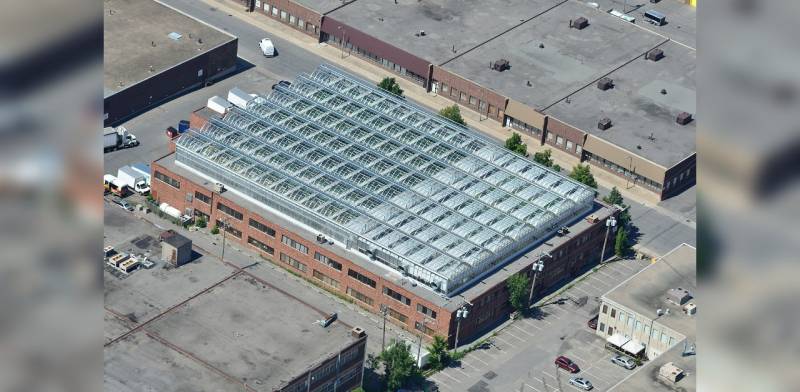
[133, 179]
[118, 138]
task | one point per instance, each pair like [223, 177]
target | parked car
[122, 203]
[267, 48]
[592, 323]
[581, 383]
[282, 83]
[567, 364]
[624, 361]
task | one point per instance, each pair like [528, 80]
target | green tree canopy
[615, 198]
[453, 113]
[390, 85]
[439, 357]
[582, 174]
[621, 243]
[518, 291]
[514, 143]
[399, 365]
[543, 157]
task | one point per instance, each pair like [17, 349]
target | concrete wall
[456, 85]
[183, 77]
[312, 20]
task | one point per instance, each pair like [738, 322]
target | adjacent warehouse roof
[415, 191]
[138, 41]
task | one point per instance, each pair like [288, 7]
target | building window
[230, 211]
[453, 92]
[397, 296]
[301, 24]
[549, 136]
[258, 3]
[202, 197]
[357, 295]
[656, 333]
[463, 97]
[578, 149]
[326, 279]
[630, 322]
[229, 229]
[168, 180]
[294, 263]
[613, 313]
[274, 11]
[284, 15]
[349, 375]
[647, 330]
[329, 262]
[294, 244]
[292, 19]
[602, 327]
[559, 140]
[569, 145]
[671, 341]
[424, 328]
[260, 245]
[426, 311]
[610, 330]
[638, 325]
[492, 110]
[622, 317]
[361, 278]
[664, 338]
[473, 101]
[444, 88]
[262, 228]
[397, 315]
[605, 309]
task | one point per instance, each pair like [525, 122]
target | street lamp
[460, 315]
[384, 310]
[224, 223]
[343, 35]
[610, 222]
[419, 349]
[537, 267]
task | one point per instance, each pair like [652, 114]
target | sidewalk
[375, 73]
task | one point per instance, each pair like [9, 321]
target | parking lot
[520, 356]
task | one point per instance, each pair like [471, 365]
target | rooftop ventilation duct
[684, 118]
[580, 23]
[501, 65]
[655, 55]
[678, 296]
[604, 123]
[605, 83]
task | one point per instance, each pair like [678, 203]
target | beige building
[654, 310]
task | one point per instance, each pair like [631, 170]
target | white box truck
[118, 138]
[143, 169]
[133, 180]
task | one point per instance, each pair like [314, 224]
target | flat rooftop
[465, 24]
[131, 29]
[413, 190]
[569, 60]
[646, 291]
[638, 109]
[323, 6]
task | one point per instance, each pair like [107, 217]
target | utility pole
[537, 267]
[460, 315]
[610, 222]
[419, 349]
[384, 310]
[224, 225]
[344, 32]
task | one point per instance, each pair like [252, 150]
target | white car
[623, 361]
[581, 383]
[267, 47]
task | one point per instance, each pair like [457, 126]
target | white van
[267, 47]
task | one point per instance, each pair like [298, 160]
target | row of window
[397, 296]
[288, 18]
[168, 180]
[379, 60]
[473, 101]
[522, 126]
[326, 279]
[230, 211]
[359, 296]
[678, 179]
[202, 197]
[633, 326]
[293, 262]
[327, 261]
[229, 229]
[361, 278]
[294, 244]
[611, 166]
[260, 245]
[569, 146]
[262, 228]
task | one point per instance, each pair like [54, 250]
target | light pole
[537, 267]
[224, 224]
[384, 310]
[343, 35]
[610, 222]
[460, 315]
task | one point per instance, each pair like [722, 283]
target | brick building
[384, 216]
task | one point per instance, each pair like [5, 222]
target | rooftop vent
[684, 118]
[605, 83]
[501, 65]
[580, 23]
[678, 296]
[604, 123]
[655, 55]
[357, 332]
[690, 309]
[175, 36]
[218, 187]
[421, 33]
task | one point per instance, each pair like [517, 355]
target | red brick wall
[556, 128]
[497, 101]
[573, 257]
[307, 15]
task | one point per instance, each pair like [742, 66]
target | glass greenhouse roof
[408, 188]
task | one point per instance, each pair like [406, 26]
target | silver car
[581, 383]
[624, 361]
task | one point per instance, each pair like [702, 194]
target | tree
[452, 113]
[543, 157]
[200, 222]
[621, 243]
[215, 229]
[582, 174]
[399, 365]
[439, 357]
[390, 85]
[518, 291]
[615, 198]
[557, 168]
[514, 143]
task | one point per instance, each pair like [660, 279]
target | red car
[592, 323]
[567, 364]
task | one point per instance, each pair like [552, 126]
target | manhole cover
[490, 375]
[479, 386]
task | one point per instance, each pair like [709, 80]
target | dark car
[282, 83]
[592, 323]
[567, 364]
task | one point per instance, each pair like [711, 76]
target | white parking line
[602, 282]
[460, 371]
[450, 377]
[532, 324]
[502, 340]
[523, 331]
[532, 387]
[463, 362]
[507, 330]
[581, 290]
[595, 376]
[475, 357]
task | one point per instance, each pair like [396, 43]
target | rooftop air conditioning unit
[604, 123]
[501, 65]
[357, 332]
[218, 187]
[678, 296]
[239, 98]
[605, 83]
[655, 54]
[218, 104]
[690, 308]
[580, 23]
[684, 118]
